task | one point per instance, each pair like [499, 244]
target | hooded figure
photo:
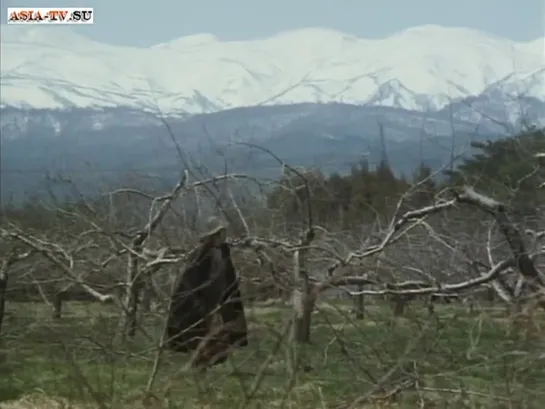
[207, 287]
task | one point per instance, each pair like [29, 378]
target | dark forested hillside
[93, 146]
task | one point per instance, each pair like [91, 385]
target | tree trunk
[303, 313]
[3, 289]
[431, 305]
[360, 304]
[306, 321]
[399, 305]
[472, 306]
[515, 238]
[303, 301]
[57, 304]
[133, 287]
[490, 295]
[147, 294]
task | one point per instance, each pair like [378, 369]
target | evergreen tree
[506, 169]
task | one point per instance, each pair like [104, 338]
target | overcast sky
[145, 22]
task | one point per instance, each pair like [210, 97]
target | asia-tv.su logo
[50, 15]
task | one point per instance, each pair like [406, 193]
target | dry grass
[42, 401]
[457, 361]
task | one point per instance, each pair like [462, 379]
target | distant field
[495, 362]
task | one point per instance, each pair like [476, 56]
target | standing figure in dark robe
[208, 287]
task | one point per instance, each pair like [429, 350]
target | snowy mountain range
[315, 97]
[420, 69]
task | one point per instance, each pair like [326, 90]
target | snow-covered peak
[196, 40]
[312, 35]
[419, 68]
[436, 32]
[535, 47]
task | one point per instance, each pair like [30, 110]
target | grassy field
[452, 360]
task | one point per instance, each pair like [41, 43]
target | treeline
[506, 169]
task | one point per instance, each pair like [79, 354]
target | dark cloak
[199, 291]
